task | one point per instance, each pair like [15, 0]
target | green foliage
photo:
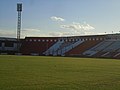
[58, 73]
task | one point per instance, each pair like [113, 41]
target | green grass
[58, 73]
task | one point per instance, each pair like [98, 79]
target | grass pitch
[58, 73]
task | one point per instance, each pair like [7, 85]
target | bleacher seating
[99, 49]
[85, 46]
[36, 47]
[82, 47]
[68, 46]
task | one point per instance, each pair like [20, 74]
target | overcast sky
[60, 17]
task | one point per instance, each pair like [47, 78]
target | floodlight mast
[19, 10]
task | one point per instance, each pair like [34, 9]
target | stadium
[102, 46]
[70, 62]
[106, 46]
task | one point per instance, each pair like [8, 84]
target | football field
[58, 73]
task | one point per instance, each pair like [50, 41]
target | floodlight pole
[19, 10]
